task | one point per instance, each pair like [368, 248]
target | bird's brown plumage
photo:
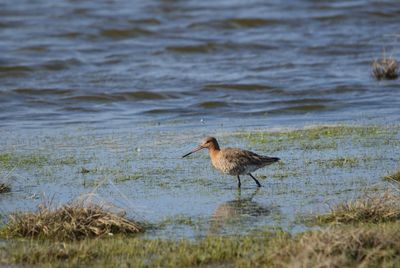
[234, 161]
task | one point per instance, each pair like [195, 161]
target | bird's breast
[227, 165]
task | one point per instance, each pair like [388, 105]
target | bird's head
[206, 143]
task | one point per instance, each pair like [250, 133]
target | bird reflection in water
[237, 211]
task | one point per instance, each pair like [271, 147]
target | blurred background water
[258, 62]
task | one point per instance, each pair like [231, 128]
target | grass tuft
[4, 188]
[395, 176]
[386, 68]
[347, 246]
[69, 222]
[373, 209]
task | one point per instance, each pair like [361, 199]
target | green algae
[16, 160]
[320, 137]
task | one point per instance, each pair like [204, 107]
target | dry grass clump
[4, 188]
[372, 209]
[386, 68]
[367, 246]
[69, 222]
[395, 176]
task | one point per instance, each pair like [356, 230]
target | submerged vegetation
[318, 132]
[9, 160]
[340, 162]
[69, 222]
[318, 137]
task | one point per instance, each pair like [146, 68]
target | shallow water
[141, 171]
[124, 88]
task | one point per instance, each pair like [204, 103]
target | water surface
[134, 61]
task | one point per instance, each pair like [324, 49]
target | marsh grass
[4, 188]
[371, 209]
[371, 245]
[73, 221]
[394, 176]
[347, 246]
[375, 243]
[385, 68]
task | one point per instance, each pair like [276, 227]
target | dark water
[132, 61]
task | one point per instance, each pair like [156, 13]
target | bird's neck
[213, 151]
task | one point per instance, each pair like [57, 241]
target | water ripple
[124, 33]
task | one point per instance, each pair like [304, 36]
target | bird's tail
[269, 160]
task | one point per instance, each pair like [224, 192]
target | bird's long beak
[198, 148]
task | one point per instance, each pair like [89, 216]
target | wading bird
[234, 161]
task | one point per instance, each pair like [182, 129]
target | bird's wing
[244, 157]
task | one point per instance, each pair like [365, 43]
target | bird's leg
[258, 183]
[239, 184]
